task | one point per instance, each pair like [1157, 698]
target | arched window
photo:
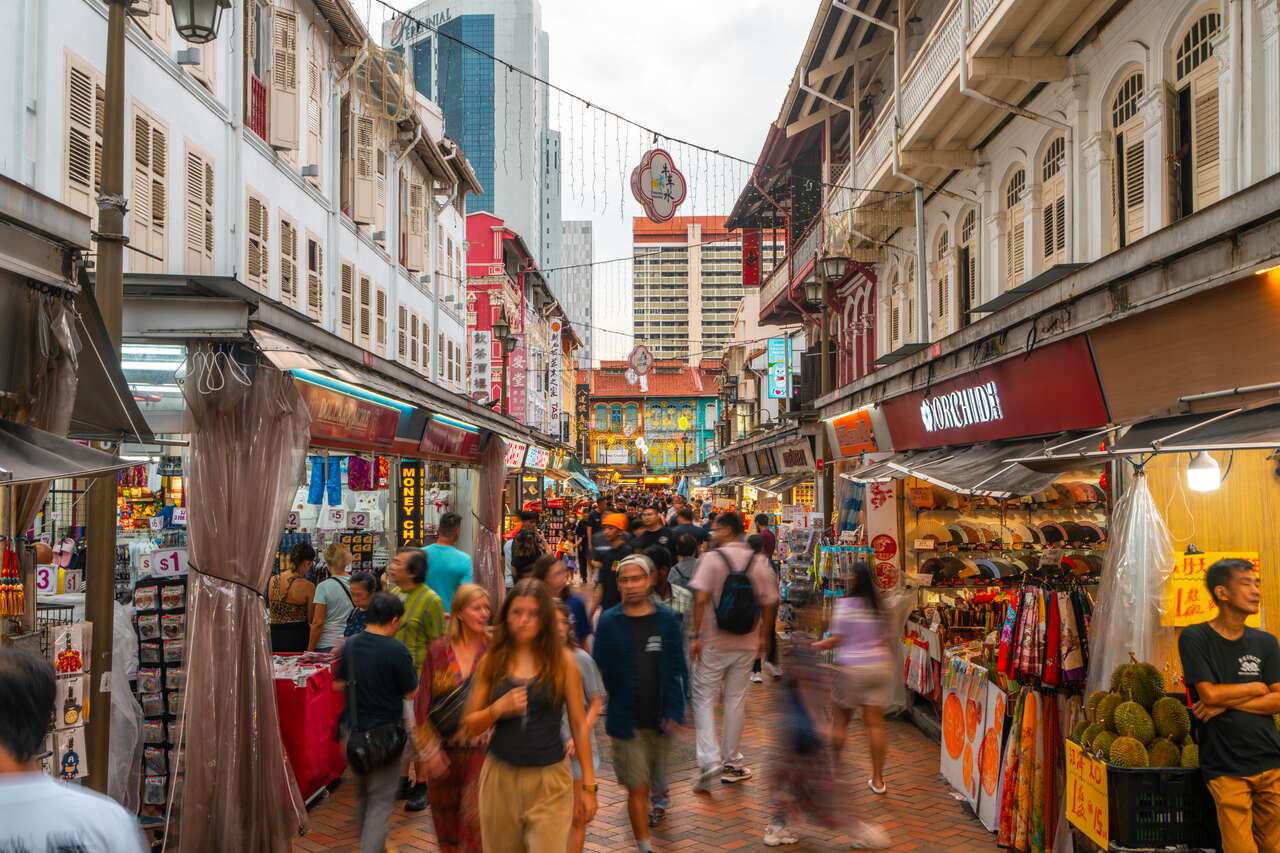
[1127, 213]
[633, 415]
[615, 417]
[967, 257]
[602, 417]
[1196, 176]
[1053, 197]
[1015, 229]
[942, 274]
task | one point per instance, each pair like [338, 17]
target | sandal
[872, 785]
[656, 815]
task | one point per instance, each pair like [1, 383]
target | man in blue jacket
[639, 648]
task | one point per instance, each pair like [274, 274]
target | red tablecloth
[308, 724]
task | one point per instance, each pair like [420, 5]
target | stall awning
[780, 484]
[984, 469]
[895, 467]
[30, 455]
[104, 408]
[1246, 428]
[731, 481]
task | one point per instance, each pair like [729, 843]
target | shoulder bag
[378, 747]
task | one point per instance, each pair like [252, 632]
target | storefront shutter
[283, 126]
[346, 312]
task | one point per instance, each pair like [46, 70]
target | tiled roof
[684, 382]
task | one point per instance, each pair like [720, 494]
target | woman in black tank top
[526, 680]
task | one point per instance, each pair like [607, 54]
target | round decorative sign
[885, 546]
[886, 576]
[658, 185]
[641, 360]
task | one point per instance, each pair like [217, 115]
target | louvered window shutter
[288, 263]
[315, 279]
[413, 339]
[402, 333]
[83, 154]
[283, 126]
[256, 262]
[198, 234]
[346, 319]
[363, 210]
[1016, 246]
[380, 189]
[159, 231]
[417, 226]
[380, 322]
[1205, 159]
[426, 348]
[366, 311]
[140, 193]
[1134, 185]
[315, 109]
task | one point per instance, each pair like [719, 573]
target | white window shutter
[1205, 136]
[402, 333]
[380, 322]
[413, 339]
[82, 153]
[283, 126]
[198, 237]
[288, 263]
[1015, 247]
[426, 347]
[380, 184]
[1132, 192]
[416, 242]
[346, 301]
[363, 173]
[140, 192]
[256, 262]
[159, 231]
[315, 108]
[315, 278]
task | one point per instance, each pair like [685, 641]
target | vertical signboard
[582, 402]
[778, 369]
[518, 366]
[882, 534]
[555, 371]
[481, 361]
[410, 520]
[751, 257]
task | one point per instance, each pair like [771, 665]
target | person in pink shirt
[734, 612]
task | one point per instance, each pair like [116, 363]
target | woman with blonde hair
[526, 681]
[332, 602]
[451, 758]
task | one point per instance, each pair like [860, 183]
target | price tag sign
[1087, 794]
[73, 580]
[358, 520]
[1186, 601]
[180, 516]
[46, 579]
[169, 562]
[337, 516]
[157, 522]
[293, 521]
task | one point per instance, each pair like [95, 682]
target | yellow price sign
[1186, 601]
[1087, 794]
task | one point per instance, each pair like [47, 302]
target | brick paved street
[919, 812]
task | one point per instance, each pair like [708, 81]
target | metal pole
[109, 291]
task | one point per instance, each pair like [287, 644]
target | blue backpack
[737, 610]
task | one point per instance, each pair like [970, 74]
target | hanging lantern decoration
[381, 79]
[658, 185]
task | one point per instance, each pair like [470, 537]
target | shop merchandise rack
[160, 620]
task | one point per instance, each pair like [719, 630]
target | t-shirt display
[1234, 743]
[383, 673]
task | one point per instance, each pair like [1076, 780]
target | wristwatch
[590, 789]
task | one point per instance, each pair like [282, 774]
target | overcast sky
[712, 72]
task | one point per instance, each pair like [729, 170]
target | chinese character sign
[658, 185]
[481, 365]
[1086, 798]
[555, 385]
[778, 369]
[751, 257]
[518, 365]
[1186, 601]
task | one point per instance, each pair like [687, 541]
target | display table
[308, 729]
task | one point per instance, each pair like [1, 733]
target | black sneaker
[417, 799]
[731, 774]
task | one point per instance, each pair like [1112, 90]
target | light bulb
[1203, 474]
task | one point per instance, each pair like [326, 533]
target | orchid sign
[658, 185]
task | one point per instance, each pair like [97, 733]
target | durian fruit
[1132, 720]
[1091, 706]
[1191, 756]
[1087, 736]
[1102, 743]
[1105, 716]
[1128, 752]
[1117, 678]
[1143, 684]
[1164, 753]
[1171, 718]
[1078, 732]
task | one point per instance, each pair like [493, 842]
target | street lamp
[502, 331]
[197, 20]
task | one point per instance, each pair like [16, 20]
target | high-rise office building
[550, 225]
[686, 285]
[572, 283]
[499, 117]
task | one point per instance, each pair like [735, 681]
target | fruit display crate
[1160, 807]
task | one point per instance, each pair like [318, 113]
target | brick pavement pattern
[918, 812]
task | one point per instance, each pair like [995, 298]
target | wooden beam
[821, 114]
[829, 69]
[1081, 25]
[1032, 69]
[941, 158]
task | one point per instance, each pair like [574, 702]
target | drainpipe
[435, 235]
[1235, 58]
[1067, 130]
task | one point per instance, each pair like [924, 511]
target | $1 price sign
[166, 562]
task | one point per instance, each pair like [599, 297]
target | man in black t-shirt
[652, 531]
[684, 524]
[1233, 672]
[382, 677]
[604, 559]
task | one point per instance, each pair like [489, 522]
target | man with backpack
[733, 615]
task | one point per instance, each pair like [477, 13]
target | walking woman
[864, 669]
[552, 571]
[452, 759]
[289, 601]
[525, 682]
[333, 603]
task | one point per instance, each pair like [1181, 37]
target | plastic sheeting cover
[1130, 594]
[124, 756]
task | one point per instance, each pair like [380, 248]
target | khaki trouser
[1248, 812]
[525, 809]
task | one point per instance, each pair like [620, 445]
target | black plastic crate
[1153, 807]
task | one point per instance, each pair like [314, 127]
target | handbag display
[378, 747]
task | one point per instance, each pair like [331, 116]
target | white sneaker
[777, 835]
[757, 678]
[702, 784]
[868, 836]
[773, 669]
